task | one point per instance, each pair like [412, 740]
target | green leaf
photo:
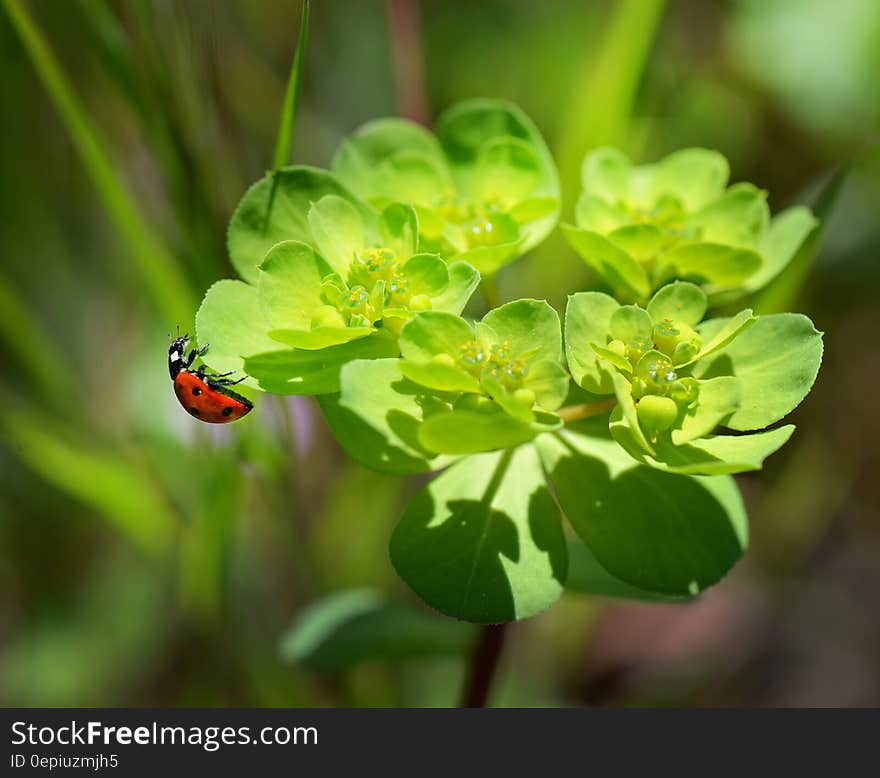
[587, 321]
[400, 229]
[641, 241]
[587, 576]
[605, 173]
[255, 227]
[337, 230]
[231, 324]
[534, 209]
[787, 233]
[362, 625]
[320, 337]
[290, 285]
[506, 168]
[417, 163]
[440, 376]
[409, 177]
[300, 371]
[483, 541]
[463, 431]
[717, 333]
[694, 176]
[776, 361]
[427, 274]
[433, 332]
[626, 277]
[463, 282]
[630, 322]
[468, 133]
[713, 455]
[529, 327]
[613, 357]
[659, 532]
[598, 215]
[718, 399]
[377, 417]
[679, 301]
[549, 381]
[490, 259]
[708, 263]
[738, 218]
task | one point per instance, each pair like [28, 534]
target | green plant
[354, 283]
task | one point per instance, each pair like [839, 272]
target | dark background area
[148, 560]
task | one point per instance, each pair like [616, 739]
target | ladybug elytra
[206, 396]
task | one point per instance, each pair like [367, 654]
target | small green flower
[361, 280]
[640, 227]
[485, 188]
[500, 374]
[678, 378]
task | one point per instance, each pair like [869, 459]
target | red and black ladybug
[206, 396]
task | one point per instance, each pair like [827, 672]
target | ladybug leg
[213, 381]
[203, 373]
[193, 355]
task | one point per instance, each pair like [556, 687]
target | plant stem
[407, 58]
[585, 410]
[483, 665]
[490, 292]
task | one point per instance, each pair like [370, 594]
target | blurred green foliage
[147, 560]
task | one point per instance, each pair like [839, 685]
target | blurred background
[149, 560]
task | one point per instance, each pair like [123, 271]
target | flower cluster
[356, 287]
[639, 227]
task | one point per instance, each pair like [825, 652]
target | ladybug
[206, 396]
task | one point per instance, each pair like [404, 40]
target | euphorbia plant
[628, 421]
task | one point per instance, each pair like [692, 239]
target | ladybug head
[177, 355]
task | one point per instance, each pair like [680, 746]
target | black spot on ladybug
[195, 411]
[196, 390]
[227, 410]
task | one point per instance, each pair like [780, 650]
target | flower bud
[657, 413]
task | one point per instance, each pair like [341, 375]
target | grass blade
[35, 352]
[604, 93]
[115, 489]
[159, 272]
[291, 96]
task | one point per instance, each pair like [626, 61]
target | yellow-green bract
[678, 378]
[639, 227]
[485, 186]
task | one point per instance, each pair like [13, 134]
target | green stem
[585, 410]
[163, 277]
